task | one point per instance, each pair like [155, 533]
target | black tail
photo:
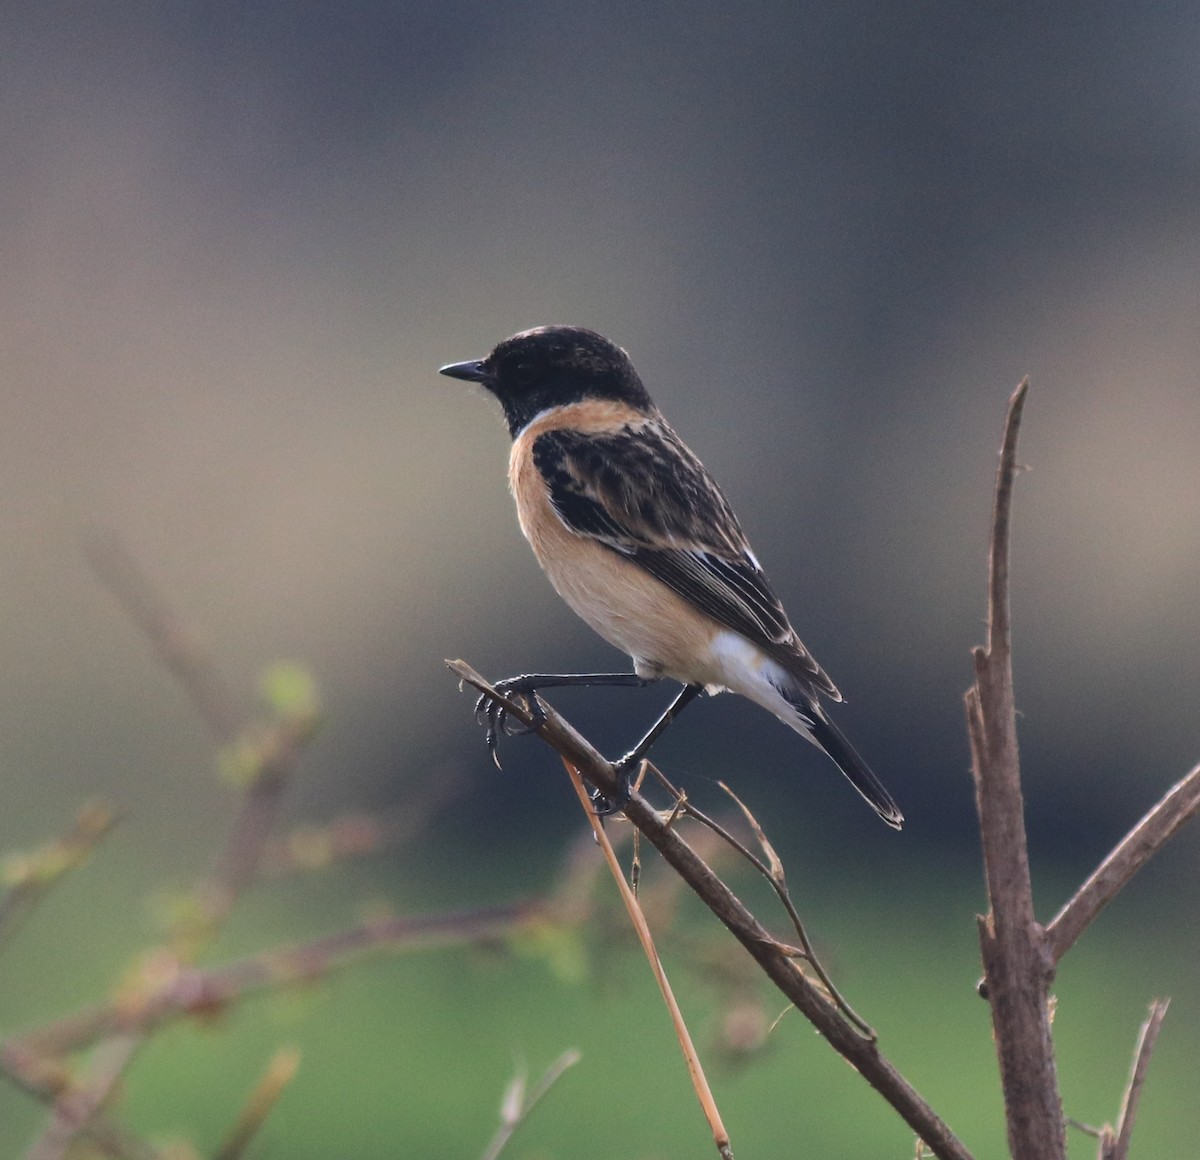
[830, 738]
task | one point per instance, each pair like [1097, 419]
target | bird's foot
[497, 719]
[626, 771]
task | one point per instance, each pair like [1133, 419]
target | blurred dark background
[238, 241]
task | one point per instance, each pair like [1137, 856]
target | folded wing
[642, 493]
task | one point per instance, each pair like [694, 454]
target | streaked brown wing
[642, 493]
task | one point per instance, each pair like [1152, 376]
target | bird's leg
[496, 716]
[628, 765]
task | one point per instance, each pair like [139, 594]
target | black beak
[471, 371]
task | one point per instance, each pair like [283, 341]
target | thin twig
[359, 834]
[195, 991]
[774, 874]
[278, 749]
[691, 1056]
[75, 1107]
[1147, 1038]
[177, 646]
[1178, 806]
[181, 652]
[1016, 966]
[49, 1080]
[517, 1103]
[237, 865]
[76, 1104]
[280, 1072]
[32, 875]
[776, 963]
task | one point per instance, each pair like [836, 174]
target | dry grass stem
[695, 1068]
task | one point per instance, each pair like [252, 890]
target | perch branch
[861, 1052]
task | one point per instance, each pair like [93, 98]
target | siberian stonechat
[639, 540]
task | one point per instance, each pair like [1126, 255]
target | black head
[551, 366]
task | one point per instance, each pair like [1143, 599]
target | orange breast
[627, 606]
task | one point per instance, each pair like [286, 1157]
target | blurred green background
[239, 240]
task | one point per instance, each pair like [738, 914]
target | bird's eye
[523, 373]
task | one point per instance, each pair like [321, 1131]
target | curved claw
[490, 715]
[497, 720]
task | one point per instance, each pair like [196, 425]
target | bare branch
[863, 1053]
[277, 749]
[1017, 969]
[78, 1104]
[176, 645]
[237, 864]
[1177, 807]
[74, 1104]
[194, 991]
[49, 1081]
[359, 834]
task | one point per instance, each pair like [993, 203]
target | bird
[639, 540]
